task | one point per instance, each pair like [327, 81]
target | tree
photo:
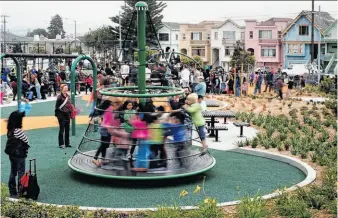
[149, 53]
[101, 38]
[189, 61]
[56, 27]
[38, 31]
[240, 56]
[155, 9]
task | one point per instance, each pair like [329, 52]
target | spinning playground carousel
[178, 159]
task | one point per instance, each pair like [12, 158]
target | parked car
[295, 70]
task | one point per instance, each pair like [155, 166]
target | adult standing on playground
[197, 74]
[133, 75]
[269, 81]
[52, 78]
[279, 87]
[44, 84]
[108, 70]
[201, 87]
[148, 73]
[17, 146]
[62, 113]
[185, 75]
[259, 80]
[124, 73]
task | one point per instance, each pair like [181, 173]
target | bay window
[265, 34]
[268, 52]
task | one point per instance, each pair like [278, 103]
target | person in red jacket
[89, 83]
[58, 81]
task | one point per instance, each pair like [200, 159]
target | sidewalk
[228, 138]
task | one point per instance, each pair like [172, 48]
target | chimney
[58, 36]
[36, 38]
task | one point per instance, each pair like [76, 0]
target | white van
[295, 70]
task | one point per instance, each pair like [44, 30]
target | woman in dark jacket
[16, 147]
[231, 84]
[62, 112]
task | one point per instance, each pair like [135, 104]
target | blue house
[297, 37]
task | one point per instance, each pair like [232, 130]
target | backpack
[16, 147]
[29, 187]
[52, 76]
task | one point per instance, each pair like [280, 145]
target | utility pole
[319, 45]
[120, 32]
[312, 31]
[3, 20]
[4, 30]
[75, 33]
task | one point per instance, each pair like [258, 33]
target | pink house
[263, 39]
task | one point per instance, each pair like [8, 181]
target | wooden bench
[216, 129]
[241, 125]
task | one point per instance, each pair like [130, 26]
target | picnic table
[212, 103]
[213, 115]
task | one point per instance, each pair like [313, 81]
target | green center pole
[73, 84]
[141, 8]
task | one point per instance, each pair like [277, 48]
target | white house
[223, 40]
[168, 36]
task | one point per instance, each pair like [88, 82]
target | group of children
[130, 123]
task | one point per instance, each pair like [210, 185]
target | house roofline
[226, 21]
[329, 28]
[297, 18]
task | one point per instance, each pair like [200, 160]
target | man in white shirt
[185, 76]
[124, 73]
[148, 73]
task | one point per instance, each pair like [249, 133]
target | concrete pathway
[314, 99]
[228, 138]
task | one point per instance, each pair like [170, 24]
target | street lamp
[75, 27]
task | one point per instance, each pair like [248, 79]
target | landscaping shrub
[291, 206]
[252, 208]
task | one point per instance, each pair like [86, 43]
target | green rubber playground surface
[61, 185]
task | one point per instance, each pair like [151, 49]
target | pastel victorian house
[263, 39]
[329, 59]
[297, 37]
[168, 36]
[223, 40]
[194, 39]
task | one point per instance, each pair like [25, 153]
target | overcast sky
[26, 15]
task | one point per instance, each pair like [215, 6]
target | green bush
[291, 206]
[252, 208]
[254, 142]
[208, 208]
[4, 192]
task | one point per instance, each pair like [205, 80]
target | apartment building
[264, 40]
[223, 41]
[168, 36]
[195, 39]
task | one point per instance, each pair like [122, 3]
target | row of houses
[275, 43]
